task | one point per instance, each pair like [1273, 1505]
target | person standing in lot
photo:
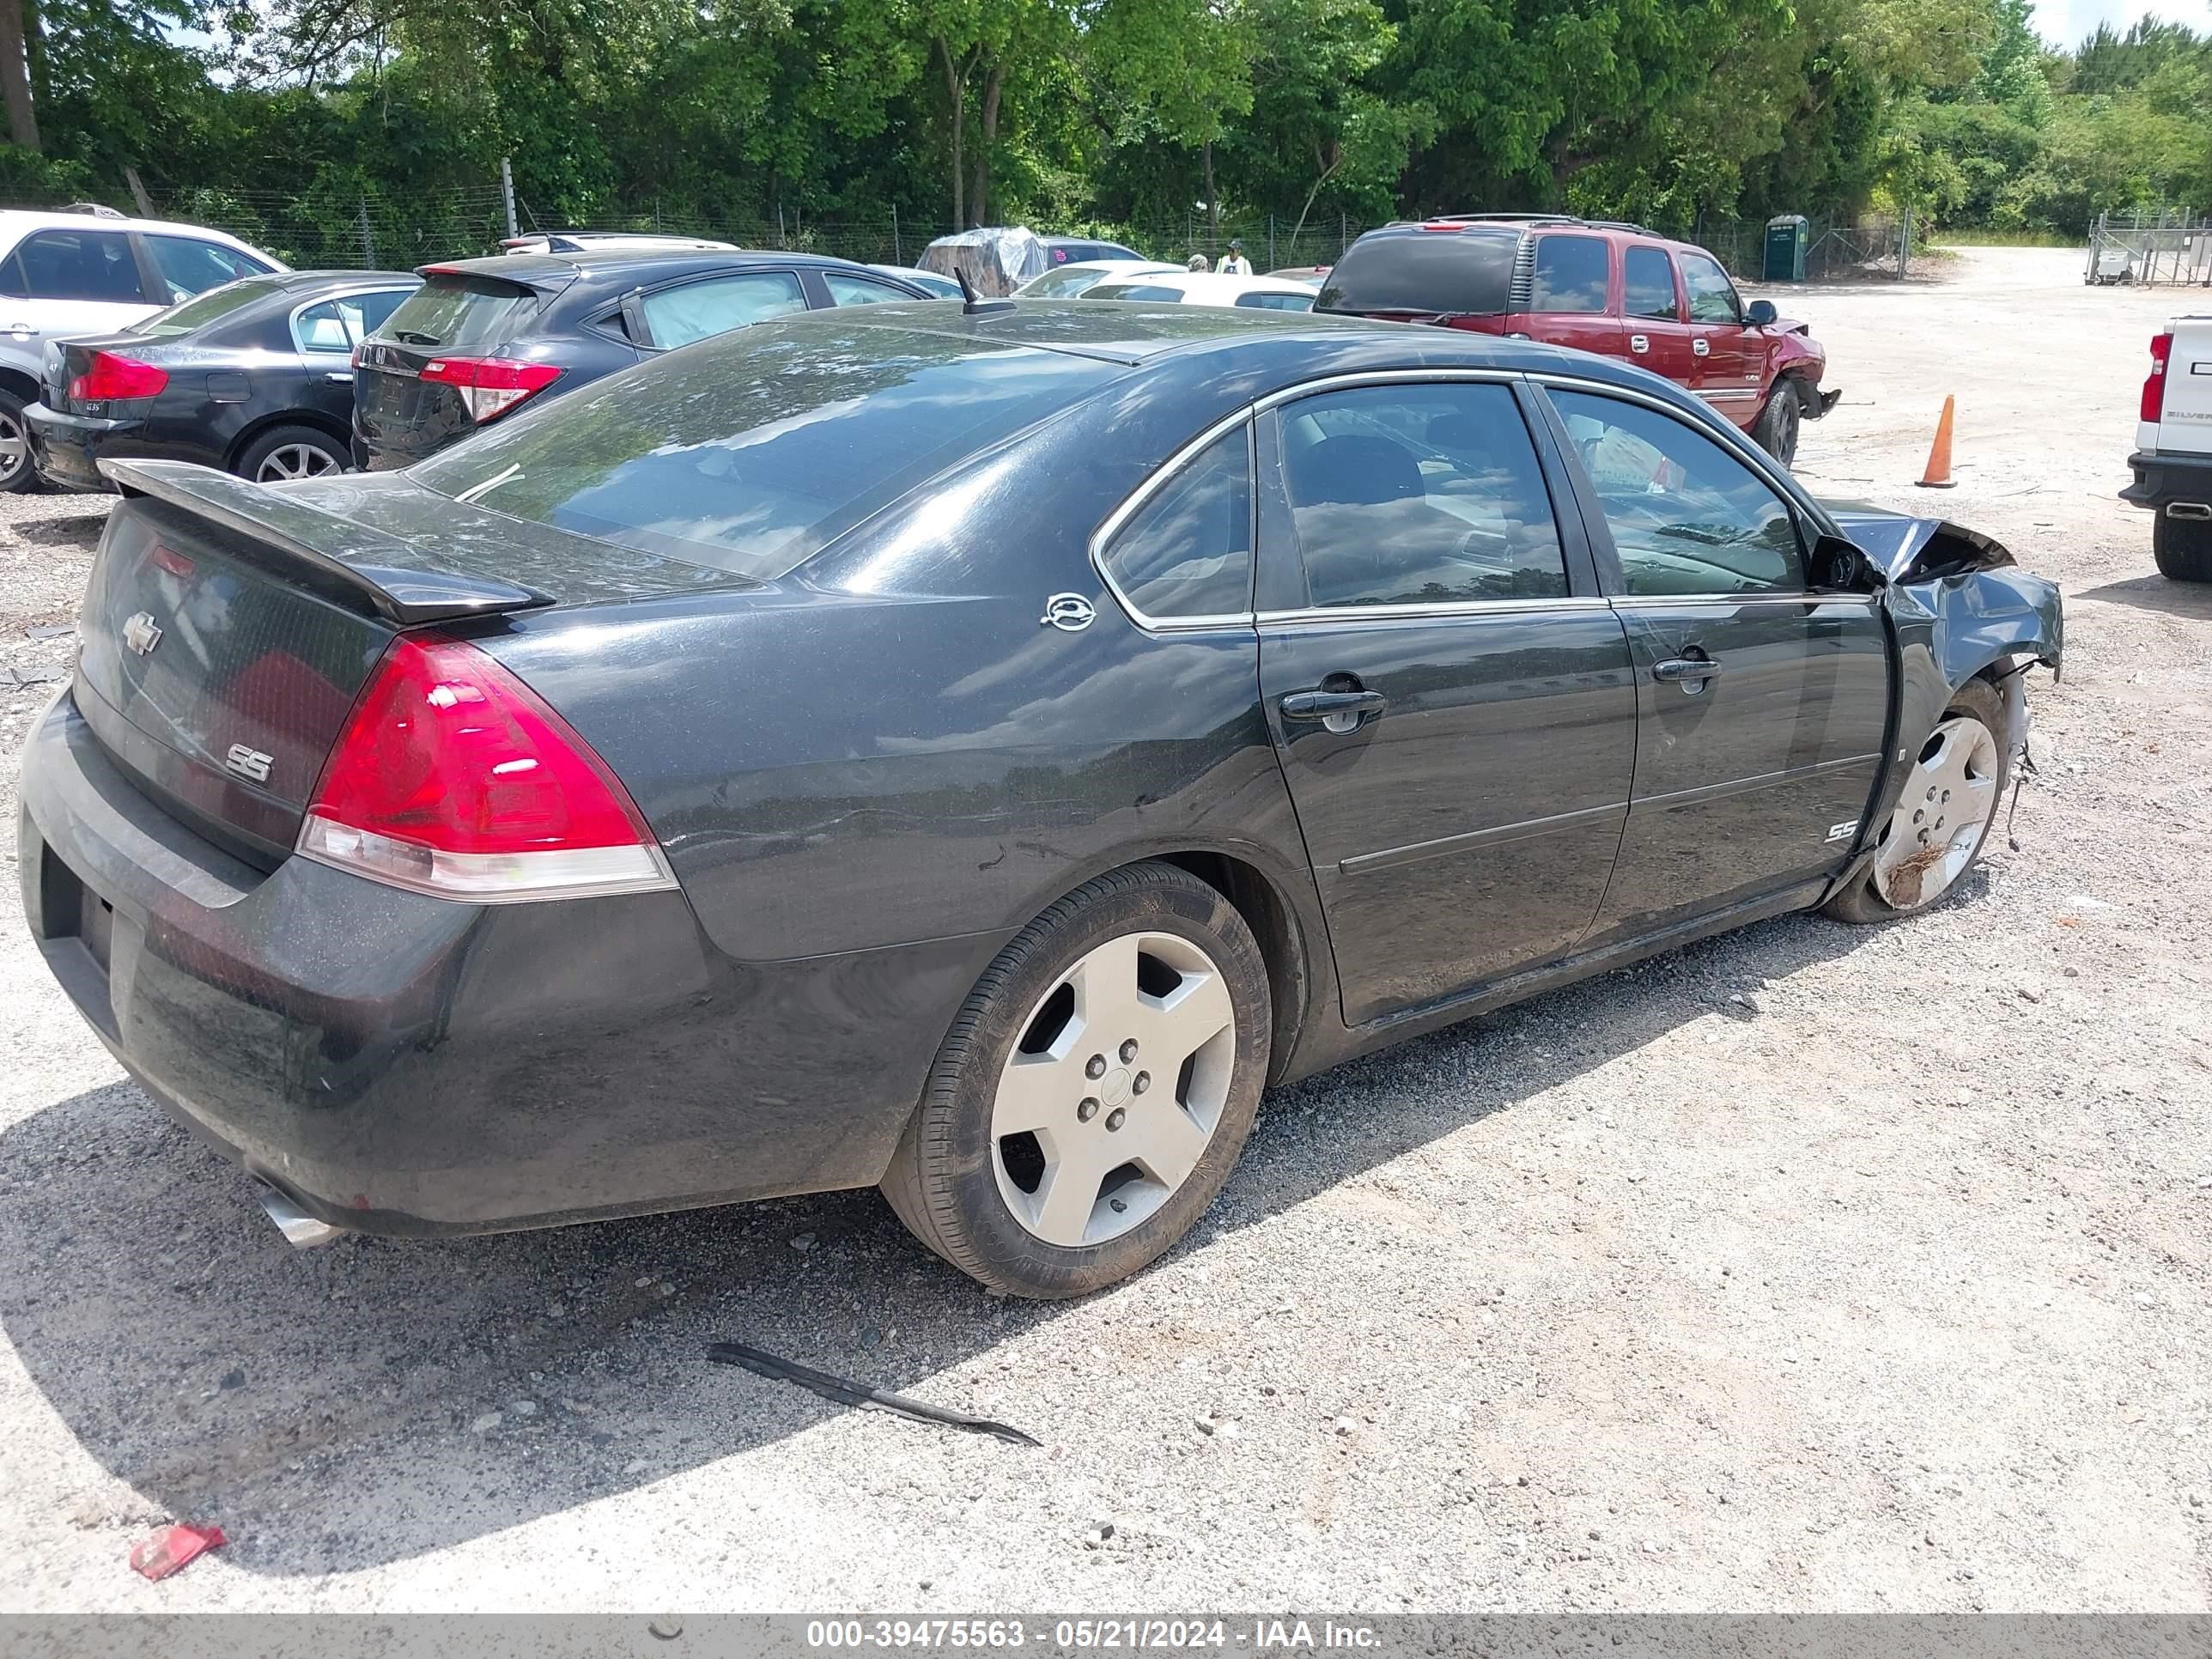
[1197, 262]
[1233, 263]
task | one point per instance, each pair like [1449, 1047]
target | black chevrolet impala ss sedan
[970, 752]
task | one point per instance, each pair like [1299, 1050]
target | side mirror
[1839, 564]
[1761, 314]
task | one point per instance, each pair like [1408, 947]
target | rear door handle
[340, 377]
[1337, 709]
[1702, 348]
[1685, 668]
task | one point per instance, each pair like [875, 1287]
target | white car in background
[610, 241]
[1202, 287]
[935, 282]
[66, 275]
[1066, 282]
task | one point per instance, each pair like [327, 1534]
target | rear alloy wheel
[2182, 548]
[1095, 1091]
[1776, 430]
[1942, 818]
[17, 472]
[291, 451]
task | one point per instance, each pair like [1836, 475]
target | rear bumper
[67, 448]
[2163, 477]
[404, 1065]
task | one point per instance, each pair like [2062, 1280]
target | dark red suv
[1599, 286]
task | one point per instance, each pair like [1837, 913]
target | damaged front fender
[1961, 606]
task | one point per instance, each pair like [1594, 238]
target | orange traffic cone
[1938, 475]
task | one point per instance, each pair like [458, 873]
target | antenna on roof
[972, 304]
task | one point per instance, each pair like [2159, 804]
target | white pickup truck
[2173, 462]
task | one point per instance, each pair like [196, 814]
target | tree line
[1101, 113]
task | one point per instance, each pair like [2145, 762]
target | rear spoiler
[387, 572]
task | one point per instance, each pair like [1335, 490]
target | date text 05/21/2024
[1096, 1635]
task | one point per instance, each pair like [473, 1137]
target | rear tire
[1778, 424]
[1094, 1092]
[2182, 548]
[17, 474]
[292, 452]
[1927, 845]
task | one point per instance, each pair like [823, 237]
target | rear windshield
[749, 452]
[202, 309]
[459, 314]
[1425, 271]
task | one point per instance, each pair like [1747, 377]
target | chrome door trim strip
[1665, 601]
[1316, 613]
[1497, 835]
[1709, 792]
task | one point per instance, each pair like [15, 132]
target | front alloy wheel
[1095, 1089]
[1942, 818]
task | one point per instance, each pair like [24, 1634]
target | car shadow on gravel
[350, 1406]
[76, 530]
[2158, 593]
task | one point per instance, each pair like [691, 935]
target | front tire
[1094, 1092]
[2182, 548]
[1942, 819]
[1778, 424]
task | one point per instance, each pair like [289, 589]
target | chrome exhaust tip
[302, 1230]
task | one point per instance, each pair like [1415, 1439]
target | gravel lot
[1815, 1268]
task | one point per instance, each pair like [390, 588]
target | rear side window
[698, 310]
[339, 324]
[76, 264]
[458, 313]
[1425, 273]
[1187, 552]
[191, 266]
[1418, 494]
[753, 450]
[1573, 273]
[1276, 301]
[1648, 285]
[1135, 291]
[1713, 297]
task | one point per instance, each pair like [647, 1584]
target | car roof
[22, 221]
[296, 282]
[542, 269]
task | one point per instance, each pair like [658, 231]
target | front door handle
[1639, 343]
[1702, 348]
[1676, 669]
[1339, 710]
[21, 328]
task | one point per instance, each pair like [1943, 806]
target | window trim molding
[1138, 498]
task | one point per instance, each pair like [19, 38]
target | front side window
[1418, 494]
[1713, 297]
[191, 266]
[1647, 278]
[78, 265]
[1686, 516]
[849, 290]
[1276, 301]
[696, 311]
[1187, 552]
[1571, 273]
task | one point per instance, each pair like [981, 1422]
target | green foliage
[315, 126]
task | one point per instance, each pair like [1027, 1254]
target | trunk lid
[227, 628]
[2185, 422]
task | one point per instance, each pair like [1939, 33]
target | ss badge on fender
[247, 763]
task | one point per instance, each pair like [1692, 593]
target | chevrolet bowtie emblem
[141, 634]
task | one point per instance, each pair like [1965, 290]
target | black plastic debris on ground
[764, 1364]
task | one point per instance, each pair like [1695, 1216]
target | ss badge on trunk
[142, 633]
[247, 763]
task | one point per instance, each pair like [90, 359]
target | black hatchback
[485, 337]
[251, 377]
